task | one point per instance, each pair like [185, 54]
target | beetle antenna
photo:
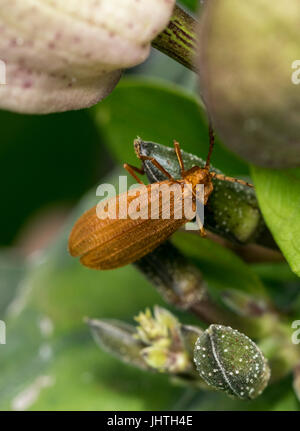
[211, 145]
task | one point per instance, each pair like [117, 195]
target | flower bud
[63, 55]
[249, 72]
[161, 329]
[229, 361]
[165, 360]
[166, 351]
[244, 304]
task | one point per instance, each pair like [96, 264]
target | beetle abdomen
[112, 243]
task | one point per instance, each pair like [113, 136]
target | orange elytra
[112, 243]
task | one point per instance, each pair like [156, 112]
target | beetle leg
[230, 179]
[158, 165]
[179, 157]
[132, 169]
[202, 232]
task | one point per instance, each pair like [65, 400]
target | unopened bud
[63, 55]
[165, 360]
[118, 338]
[161, 329]
[244, 304]
[166, 351]
[229, 361]
[249, 73]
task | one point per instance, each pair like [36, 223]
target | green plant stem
[178, 40]
[181, 283]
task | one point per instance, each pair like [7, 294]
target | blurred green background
[50, 168]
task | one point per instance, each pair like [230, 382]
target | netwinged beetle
[111, 243]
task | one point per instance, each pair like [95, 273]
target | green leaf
[282, 285]
[159, 112]
[221, 268]
[193, 5]
[278, 193]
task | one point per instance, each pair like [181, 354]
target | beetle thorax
[197, 175]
